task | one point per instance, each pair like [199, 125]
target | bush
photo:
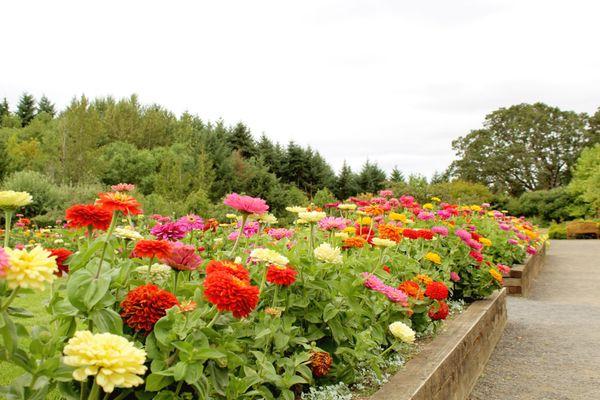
[461, 192]
[557, 204]
[557, 231]
[46, 195]
[323, 197]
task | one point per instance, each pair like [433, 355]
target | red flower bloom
[436, 291]
[283, 276]
[387, 269]
[230, 293]
[426, 234]
[84, 215]
[61, 255]
[320, 363]
[151, 249]
[119, 201]
[229, 267]
[211, 224]
[410, 233]
[477, 256]
[438, 310]
[145, 305]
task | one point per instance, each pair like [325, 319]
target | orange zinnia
[119, 201]
[389, 231]
[412, 289]
[152, 249]
[356, 242]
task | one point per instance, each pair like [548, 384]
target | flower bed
[521, 276]
[164, 308]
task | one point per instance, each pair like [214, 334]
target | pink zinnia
[440, 230]
[444, 214]
[386, 193]
[374, 283]
[183, 257]
[191, 222]
[504, 227]
[461, 233]
[505, 269]
[531, 250]
[246, 204]
[3, 262]
[280, 233]
[521, 236]
[123, 187]
[169, 231]
[474, 244]
[425, 216]
[454, 277]
[513, 241]
[332, 223]
[160, 218]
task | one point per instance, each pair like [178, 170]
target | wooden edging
[522, 275]
[448, 367]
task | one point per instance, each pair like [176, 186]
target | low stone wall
[448, 367]
[522, 275]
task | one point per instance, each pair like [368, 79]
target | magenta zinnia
[183, 257]
[246, 204]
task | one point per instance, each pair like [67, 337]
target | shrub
[323, 197]
[46, 195]
[459, 191]
[557, 204]
[557, 231]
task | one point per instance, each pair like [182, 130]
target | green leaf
[107, 320]
[329, 312]
[19, 312]
[155, 382]
[84, 290]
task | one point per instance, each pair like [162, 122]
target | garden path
[550, 349]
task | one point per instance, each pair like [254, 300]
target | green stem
[12, 296]
[275, 296]
[387, 350]
[111, 228]
[123, 394]
[83, 390]
[212, 321]
[237, 239]
[95, 392]
[263, 280]
[148, 280]
[179, 386]
[175, 281]
[7, 220]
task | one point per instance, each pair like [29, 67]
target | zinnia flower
[61, 255]
[246, 204]
[145, 305]
[119, 201]
[402, 331]
[229, 267]
[454, 277]
[312, 216]
[152, 249]
[268, 256]
[4, 265]
[423, 278]
[123, 187]
[280, 233]
[438, 310]
[320, 363]
[440, 230]
[191, 222]
[356, 242]
[182, 257]
[475, 255]
[112, 359]
[389, 231]
[86, 215]
[496, 275]
[433, 257]
[296, 209]
[30, 269]
[11, 200]
[379, 242]
[332, 223]
[172, 231]
[127, 233]
[412, 289]
[283, 276]
[328, 254]
[347, 206]
[436, 291]
[230, 293]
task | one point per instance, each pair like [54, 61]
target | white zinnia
[312, 216]
[349, 206]
[379, 242]
[326, 253]
[402, 331]
[269, 256]
[296, 209]
[129, 233]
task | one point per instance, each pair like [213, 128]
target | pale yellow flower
[312, 216]
[30, 269]
[300, 221]
[379, 242]
[433, 257]
[342, 235]
[127, 232]
[436, 199]
[158, 272]
[296, 209]
[347, 206]
[269, 256]
[428, 206]
[231, 216]
[112, 359]
[402, 331]
[267, 218]
[11, 200]
[326, 253]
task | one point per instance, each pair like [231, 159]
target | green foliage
[523, 147]
[459, 191]
[345, 185]
[371, 178]
[46, 195]
[26, 109]
[396, 176]
[123, 162]
[557, 231]
[586, 177]
[45, 106]
[550, 205]
[322, 197]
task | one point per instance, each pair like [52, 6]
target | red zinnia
[230, 293]
[436, 291]
[438, 310]
[84, 215]
[145, 305]
[426, 234]
[152, 249]
[410, 233]
[119, 201]
[229, 267]
[61, 255]
[477, 256]
[283, 276]
[320, 363]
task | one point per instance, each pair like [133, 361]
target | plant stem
[95, 392]
[7, 220]
[387, 350]
[275, 295]
[111, 228]
[83, 390]
[148, 280]
[212, 321]
[175, 281]
[237, 239]
[179, 386]
[12, 296]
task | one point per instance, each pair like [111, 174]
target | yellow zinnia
[428, 206]
[379, 242]
[11, 200]
[312, 216]
[485, 241]
[397, 217]
[434, 258]
[269, 256]
[402, 331]
[328, 254]
[365, 221]
[496, 275]
[30, 269]
[112, 359]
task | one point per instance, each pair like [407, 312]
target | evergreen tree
[439, 177]
[295, 166]
[345, 185]
[371, 178]
[26, 109]
[397, 176]
[4, 110]
[241, 139]
[44, 105]
[266, 150]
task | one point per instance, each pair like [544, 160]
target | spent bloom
[402, 331]
[11, 200]
[328, 254]
[112, 359]
[269, 256]
[246, 204]
[30, 269]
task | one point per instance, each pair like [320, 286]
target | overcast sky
[391, 81]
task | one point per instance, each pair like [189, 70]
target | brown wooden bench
[582, 228]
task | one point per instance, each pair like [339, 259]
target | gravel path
[551, 347]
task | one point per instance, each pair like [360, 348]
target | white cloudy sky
[392, 81]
